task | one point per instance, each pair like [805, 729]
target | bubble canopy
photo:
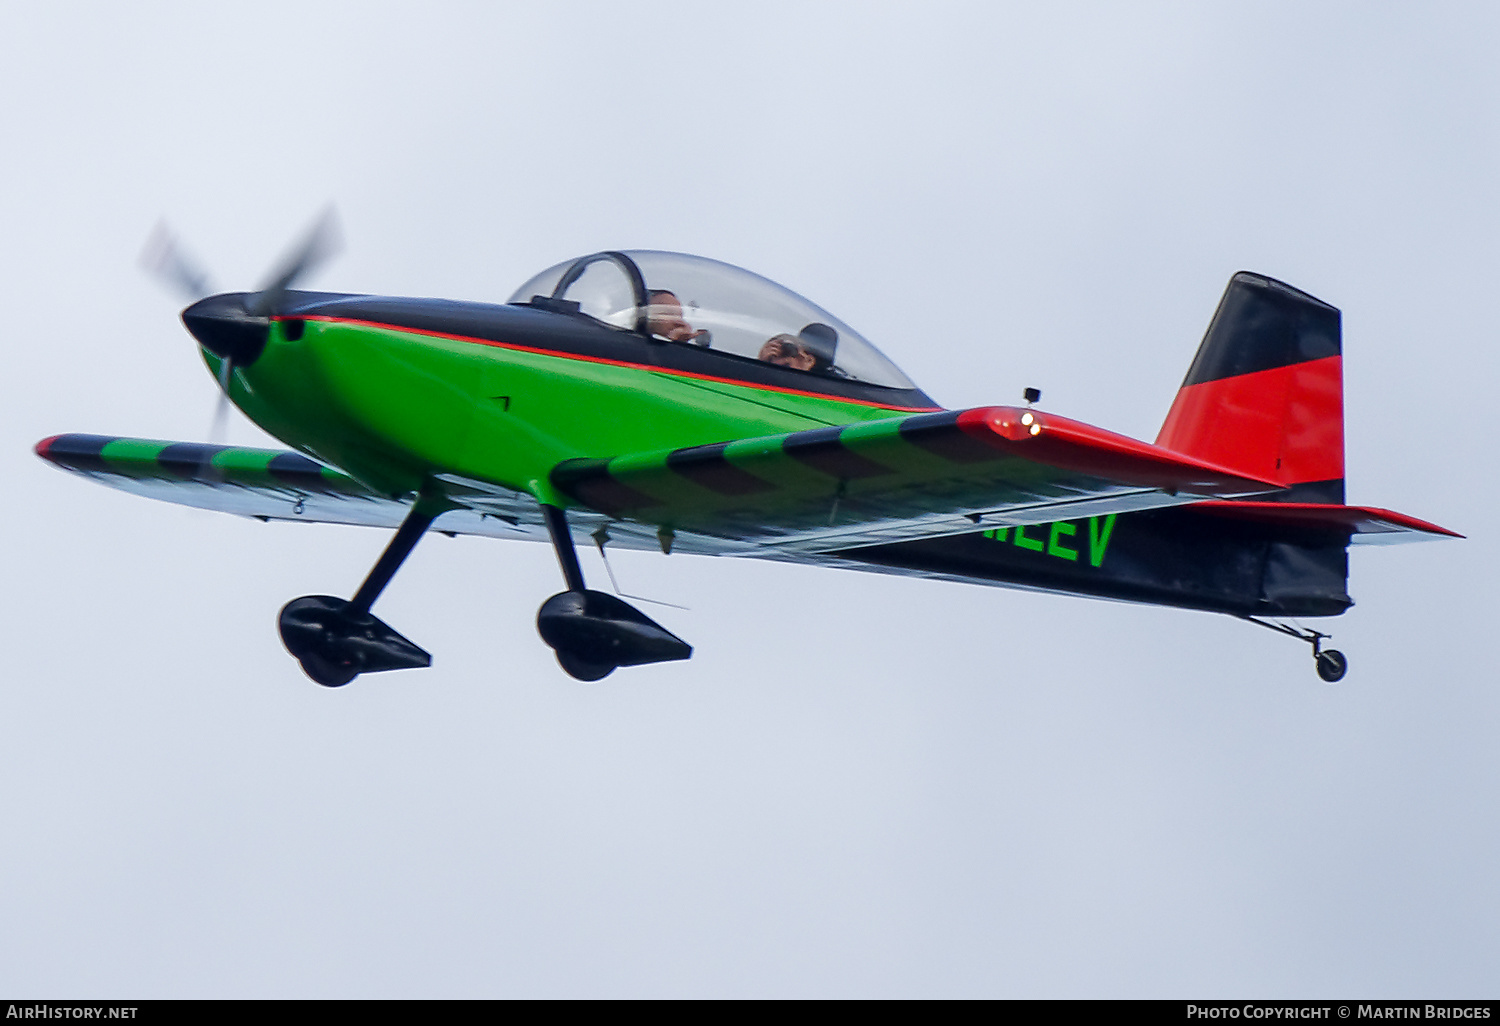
[678, 299]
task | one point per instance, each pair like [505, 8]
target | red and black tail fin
[1265, 394]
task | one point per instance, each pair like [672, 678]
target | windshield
[689, 300]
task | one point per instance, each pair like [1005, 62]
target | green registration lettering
[1061, 536]
[1099, 539]
[1034, 544]
[1055, 547]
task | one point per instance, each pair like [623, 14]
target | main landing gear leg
[337, 640]
[594, 633]
[1331, 664]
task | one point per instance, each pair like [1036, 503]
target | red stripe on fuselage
[1285, 424]
[612, 363]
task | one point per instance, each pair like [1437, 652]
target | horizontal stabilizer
[1365, 524]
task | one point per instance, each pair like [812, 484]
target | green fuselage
[395, 405]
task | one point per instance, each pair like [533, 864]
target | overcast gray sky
[928, 789]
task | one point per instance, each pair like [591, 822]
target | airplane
[660, 401]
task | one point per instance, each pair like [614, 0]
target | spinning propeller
[234, 326]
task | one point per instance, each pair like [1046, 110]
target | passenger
[821, 341]
[664, 320]
[787, 351]
[811, 349]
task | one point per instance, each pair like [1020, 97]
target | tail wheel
[1332, 665]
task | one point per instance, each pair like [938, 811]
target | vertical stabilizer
[1265, 394]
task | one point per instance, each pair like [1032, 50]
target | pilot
[811, 349]
[664, 320]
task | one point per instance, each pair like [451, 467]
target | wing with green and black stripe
[277, 484]
[918, 476]
[264, 483]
